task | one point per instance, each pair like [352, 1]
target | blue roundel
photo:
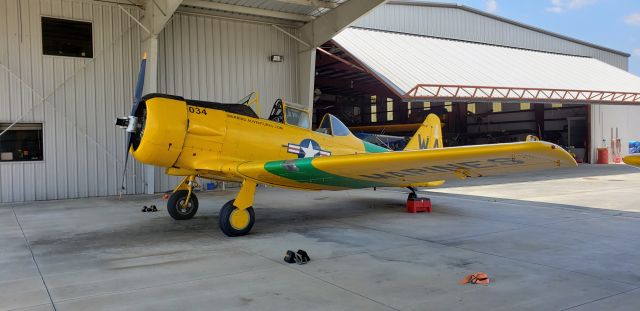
[309, 148]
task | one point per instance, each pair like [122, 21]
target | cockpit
[333, 126]
[287, 114]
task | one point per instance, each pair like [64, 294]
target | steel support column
[319, 31]
[156, 15]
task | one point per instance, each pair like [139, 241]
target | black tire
[224, 220]
[176, 200]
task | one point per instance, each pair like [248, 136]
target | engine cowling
[163, 127]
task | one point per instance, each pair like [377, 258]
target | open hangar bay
[552, 240]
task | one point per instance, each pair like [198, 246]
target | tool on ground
[476, 278]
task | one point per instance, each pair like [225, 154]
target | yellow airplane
[632, 159]
[229, 142]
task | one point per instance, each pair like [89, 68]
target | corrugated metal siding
[464, 25]
[83, 151]
[215, 59]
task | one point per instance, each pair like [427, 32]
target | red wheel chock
[415, 205]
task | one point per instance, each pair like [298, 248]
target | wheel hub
[239, 219]
[184, 208]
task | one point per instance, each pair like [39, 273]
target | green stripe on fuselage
[373, 148]
[303, 171]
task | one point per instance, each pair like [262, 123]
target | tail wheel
[179, 209]
[234, 221]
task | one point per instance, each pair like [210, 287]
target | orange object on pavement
[476, 278]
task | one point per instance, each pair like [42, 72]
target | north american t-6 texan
[230, 142]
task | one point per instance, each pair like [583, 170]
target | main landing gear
[236, 216]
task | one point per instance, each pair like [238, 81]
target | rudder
[428, 135]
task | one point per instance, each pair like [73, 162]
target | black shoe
[290, 257]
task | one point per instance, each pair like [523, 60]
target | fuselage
[189, 138]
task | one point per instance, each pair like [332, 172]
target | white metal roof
[427, 67]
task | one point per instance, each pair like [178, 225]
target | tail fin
[428, 136]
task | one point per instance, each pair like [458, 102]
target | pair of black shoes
[300, 257]
[151, 208]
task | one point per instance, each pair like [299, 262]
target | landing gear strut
[183, 203]
[413, 194]
[237, 216]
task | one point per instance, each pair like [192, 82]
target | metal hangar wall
[216, 50]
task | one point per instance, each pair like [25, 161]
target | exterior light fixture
[276, 58]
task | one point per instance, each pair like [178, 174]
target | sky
[611, 23]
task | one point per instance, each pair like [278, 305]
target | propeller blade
[137, 96]
[126, 159]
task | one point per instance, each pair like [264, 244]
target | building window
[556, 105]
[389, 109]
[63, 37]
[374, 109]
[525, 106]
[448, 106]
[22, 142]
[497, 107]
[426, 106]
[471, 107]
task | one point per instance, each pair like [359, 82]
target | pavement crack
[601, 298]
[33, 257]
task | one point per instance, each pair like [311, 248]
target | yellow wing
[406, 168]
[632, 159]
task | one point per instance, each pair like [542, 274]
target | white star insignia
[309, 152]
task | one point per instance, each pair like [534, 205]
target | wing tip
[561, 155]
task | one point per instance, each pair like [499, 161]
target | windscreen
[297, 117]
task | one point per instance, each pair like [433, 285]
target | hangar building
[68, 67]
